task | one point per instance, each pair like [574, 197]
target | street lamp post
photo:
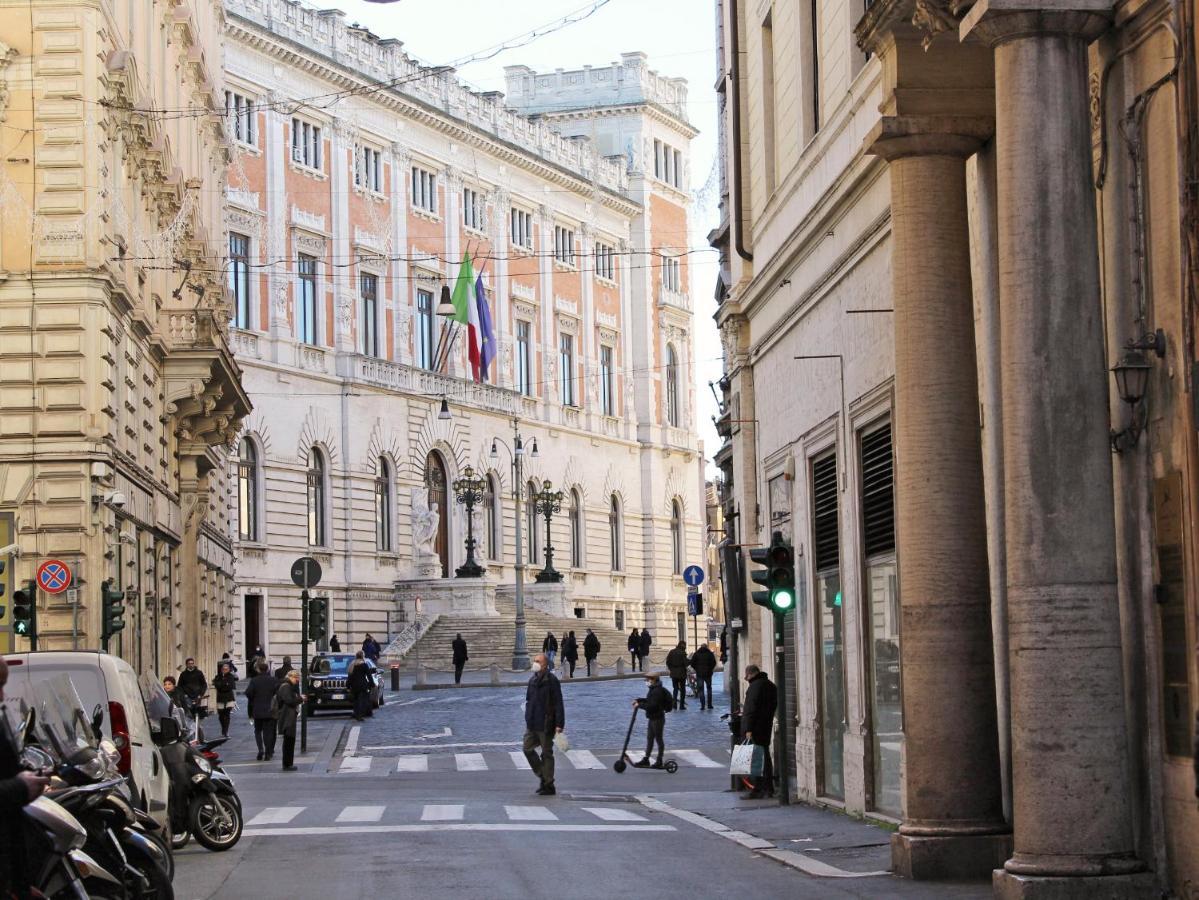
[520, 651]
[468, 490]
[547, 501]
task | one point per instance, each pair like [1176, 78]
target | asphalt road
[429, 799]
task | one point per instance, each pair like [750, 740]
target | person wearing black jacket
[225, 684]
[359, 683]
[290, 698]
[676, 664]
[646, 642]
[549, 647]
[703, 660]
[757, 722]
[18, 788]
[460, 657]
[281, 672]
[591, 649]
[634, 648]
[570, 653]
[545, 716]
[656, 703]
[260, 692]
[192, 682]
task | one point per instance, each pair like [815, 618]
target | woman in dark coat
[570, 653]
[359, 683]
[646, 643]
[225, 684]
[634, 647]
[289, 698]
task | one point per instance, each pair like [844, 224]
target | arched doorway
[435, 480]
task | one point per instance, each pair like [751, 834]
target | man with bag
[545, 718]
[757, 723]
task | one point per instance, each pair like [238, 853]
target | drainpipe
[735, 127]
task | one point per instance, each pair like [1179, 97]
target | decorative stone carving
[309, 243]
[933, 17]
[425, 521]
[7, 54]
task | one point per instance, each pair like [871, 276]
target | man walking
[757, 722]
[460, 657]
[358, 680]
[656, 703]
[676, 664]
[281, 672]
[591, 649]
[545, 716]
[703, 660]
[371, 649]
[192, 683]
[259, 693]
[550, 648]
[647, 641]
[634, 648]
[570, 653]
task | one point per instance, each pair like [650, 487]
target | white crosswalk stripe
[518, 759]
[613, 815]
[584, 759]
[697, 759]
[443, 759]
[445, 812]
[413, 763]
[361, 814]
[530, 814]
[276, 815]
[352, 765]
[470, 762]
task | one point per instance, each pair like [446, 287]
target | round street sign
[306, 572]
[54, 576]
[693, 575]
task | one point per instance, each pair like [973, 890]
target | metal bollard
[620, 665]
[420, 674]
[495, 673]
[395, 676]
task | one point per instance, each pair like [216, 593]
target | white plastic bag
[561, 742]
[743, 759]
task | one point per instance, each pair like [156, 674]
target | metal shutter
[878, 492]
[824, 512]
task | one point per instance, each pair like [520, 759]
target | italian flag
[466, 312]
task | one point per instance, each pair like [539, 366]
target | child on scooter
[656, 703]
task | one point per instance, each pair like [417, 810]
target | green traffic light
[21, 627]
[783, 600]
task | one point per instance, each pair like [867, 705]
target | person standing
[225, 684]
[634, 648]
[676, 664]
[550, 648]
[259, 694]
[172, 689]
[371, 649]
[18, 788]
[545, 716]
[290, 698]
[226, 658]
[656, 704]
[334, 645]
[460, 657]
[646, 642]
[281, 672]
[570, 653]
[591, 649]
[724, 645]
[192, 682]
[358, 680]
[757, 722]
[703, 661]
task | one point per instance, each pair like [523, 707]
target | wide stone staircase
[490, 639]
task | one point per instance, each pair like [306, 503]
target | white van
[110, 683]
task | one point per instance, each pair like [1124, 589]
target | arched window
[672, 387]
[383, 506]
[531, 516]
[491, 517]
[576, 529]
[317, 531]
[247, 490]
[614, 535]
[676, 537]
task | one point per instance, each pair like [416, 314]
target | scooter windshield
[60, 726]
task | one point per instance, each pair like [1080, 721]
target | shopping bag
[743, 760]
[561, 742]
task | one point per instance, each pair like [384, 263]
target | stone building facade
[118, 391]
[346, 219]
[920, 301]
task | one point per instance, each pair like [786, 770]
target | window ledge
[475, 232]
[521, 249]
[560, 266]
[307, 170]
[252, 149]
[370, 192]
[606, 281]
[422, 213]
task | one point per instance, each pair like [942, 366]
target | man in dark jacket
[358, 680]
[757, 721]
[259, 693]
[17, 789]
[460, 657]
[656, 703]
[281, 672]
[334, 645]
[591, 649]
[289, 702]
[676, 664]
[570, 654]
[643, 650]
[703, 660]
[545, 716]
[634, 648]
[192, 682]
[371, 649]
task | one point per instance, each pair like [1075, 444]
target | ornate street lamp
[1132, 381]
[520, 649]
[547, 501]
[468, 490]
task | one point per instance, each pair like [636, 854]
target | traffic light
[318, 618]
[777, 575]
[24, 610]
[3, 585]
[112, 609]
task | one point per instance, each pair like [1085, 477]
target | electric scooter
[623, 763]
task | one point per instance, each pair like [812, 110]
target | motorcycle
[204, 801]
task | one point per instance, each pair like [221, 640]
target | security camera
[116, 499]
[14, 549]
[127, 538]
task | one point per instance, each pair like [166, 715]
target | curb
[324, 757]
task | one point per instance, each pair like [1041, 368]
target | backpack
[667, 699]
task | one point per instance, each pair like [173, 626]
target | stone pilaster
[953, 822]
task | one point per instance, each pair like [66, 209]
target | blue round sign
[693, 575]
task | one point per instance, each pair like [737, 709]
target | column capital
[896, 137]
[999, 21]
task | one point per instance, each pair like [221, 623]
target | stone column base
[951, 856]
[1010, 886]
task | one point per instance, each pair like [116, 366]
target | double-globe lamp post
[547, 501]
[520, 652]
[469, 491]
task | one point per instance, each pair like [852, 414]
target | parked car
[110, 683]
[328, 683]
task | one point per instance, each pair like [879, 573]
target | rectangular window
[769, 146]
[564, 245]
[305, 144]
[240, 112]
[472, 209]
[306, 301]
[424, 329]
[383, 513]
[678, 169]
[809, 67]
[658, 161]
[566, 360]
[522, 228]
[524, 358]
[239, 278]
[369, 288]
[368, 168]
[605, 261]
[424, 190]
[671, 273]
[607, 388]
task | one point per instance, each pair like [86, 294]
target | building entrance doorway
[252, 628]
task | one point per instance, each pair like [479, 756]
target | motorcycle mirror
[97, 721]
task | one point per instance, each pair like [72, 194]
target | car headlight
[203, 765]
[316, 683]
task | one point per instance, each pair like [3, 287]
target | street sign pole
[303, 667]
[780, 663]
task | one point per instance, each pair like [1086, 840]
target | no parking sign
[54, 576]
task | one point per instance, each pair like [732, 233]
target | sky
[678, 35]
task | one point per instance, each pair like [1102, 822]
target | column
[498, 207]
[344, 282]
[275, 202]
[953, 823]
[1070, 781]
[403, 294]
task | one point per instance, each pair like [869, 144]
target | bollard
[395, 676]
[420, 675]
[620, 665]
[495, 673]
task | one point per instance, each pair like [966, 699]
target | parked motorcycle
[204, 801]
